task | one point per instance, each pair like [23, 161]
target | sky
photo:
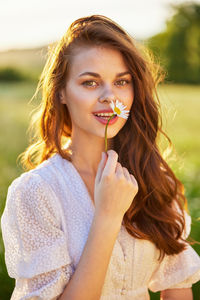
[34, 23]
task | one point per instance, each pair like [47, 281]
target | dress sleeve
[36, 252]
[177, 271]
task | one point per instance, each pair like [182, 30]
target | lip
[103, 111]
[104, 121]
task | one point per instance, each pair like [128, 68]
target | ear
[62, 96]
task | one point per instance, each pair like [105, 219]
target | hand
[115, 188]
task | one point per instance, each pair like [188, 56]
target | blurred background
[171, 29]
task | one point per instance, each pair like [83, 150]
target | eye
[90, 83]
[123, 82]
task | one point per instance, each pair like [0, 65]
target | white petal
[112, 105]
[121, 106]
[112, 102]
[124, 116]
[117, 103]
[124, 113]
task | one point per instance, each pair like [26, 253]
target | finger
[127, 174]
[119, 171]
[101, 167]
[111, 163]
[134, 180]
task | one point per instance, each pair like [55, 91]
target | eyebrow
[98, 76]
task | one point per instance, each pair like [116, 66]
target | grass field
[180, 106]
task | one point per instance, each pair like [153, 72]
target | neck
[86, 154]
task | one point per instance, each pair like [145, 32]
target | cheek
[80, 104]
[131, 93]
[81, 94]
[131, 98]
[127, 96]
[128, 101]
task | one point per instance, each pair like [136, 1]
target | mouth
[103, 118]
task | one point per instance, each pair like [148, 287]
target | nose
[107, 96]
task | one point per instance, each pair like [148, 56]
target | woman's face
[86, 93]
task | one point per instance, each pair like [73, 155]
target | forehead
[97, 59]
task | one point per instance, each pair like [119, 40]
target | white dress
[45, 225]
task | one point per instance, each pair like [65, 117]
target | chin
[112, 131]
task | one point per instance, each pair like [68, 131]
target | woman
[82, 223]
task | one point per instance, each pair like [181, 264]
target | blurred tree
[178, 47]
[11, 74]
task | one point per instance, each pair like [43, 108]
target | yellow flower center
[117, 110]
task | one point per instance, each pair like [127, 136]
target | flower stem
[106, 146]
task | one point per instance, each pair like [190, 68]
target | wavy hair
[152, 214]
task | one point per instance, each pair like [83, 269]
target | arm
[177, 294]
[114, 191]
[88, 278]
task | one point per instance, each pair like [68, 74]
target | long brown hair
[153, 209]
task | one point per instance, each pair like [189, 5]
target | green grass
[180, 106]
[180, 109]
[13, 125]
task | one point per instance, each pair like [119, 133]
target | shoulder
[28, 189]
[40, 188]
[43, 175]
[27, 181]
[35, 185]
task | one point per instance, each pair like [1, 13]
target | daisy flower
[119, 110]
